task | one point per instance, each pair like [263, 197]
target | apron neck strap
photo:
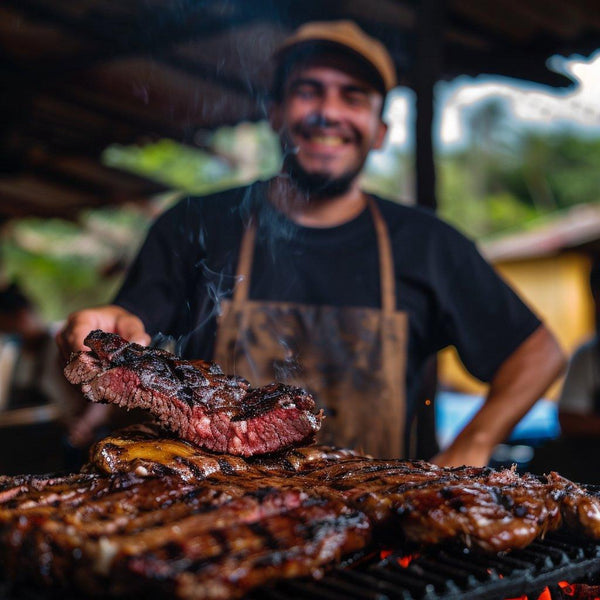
[244, 268]
[386, 259]
[384, 246]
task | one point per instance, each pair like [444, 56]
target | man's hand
[518, 383]
[110, 318]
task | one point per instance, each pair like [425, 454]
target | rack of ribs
[151, 512]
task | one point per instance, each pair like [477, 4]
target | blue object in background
[453, 411]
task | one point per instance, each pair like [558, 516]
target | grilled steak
[121, 534]
[493, 510]
[195, 400]
[154, 513]
[291, 544]
[147, 451]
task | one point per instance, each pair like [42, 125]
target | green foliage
[171, 163]
[505, 179]
[56, 285]
[63, 266]
[238, 155]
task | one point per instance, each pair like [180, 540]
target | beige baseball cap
[351, 38]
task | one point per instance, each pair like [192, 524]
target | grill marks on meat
[146, 451]
[201, 541]
[493, 510]
[195, 400]
[248, 554]
[154, 513]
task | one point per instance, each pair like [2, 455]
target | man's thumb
[132, 329]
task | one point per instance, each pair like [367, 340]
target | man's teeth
[328, 140]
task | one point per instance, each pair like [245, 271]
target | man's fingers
[111, 319]
[70, 338]
[132, 329]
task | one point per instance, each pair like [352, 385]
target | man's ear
[382, 129]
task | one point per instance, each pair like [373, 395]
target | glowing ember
[579, 591]
[566, 588]
[545, 595]
[491, 572]
[404, 561]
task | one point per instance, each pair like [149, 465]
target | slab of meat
[147, 451]
[195, 400]
[155, 514]
[482, 507]
[121, 535]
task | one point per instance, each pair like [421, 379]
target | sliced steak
[196, 401]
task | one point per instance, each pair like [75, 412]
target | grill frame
[453, 573]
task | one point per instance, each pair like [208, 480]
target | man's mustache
[317, 121]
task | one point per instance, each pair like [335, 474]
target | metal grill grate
[453, 574]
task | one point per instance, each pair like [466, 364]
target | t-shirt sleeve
[577, 394]
[481, 315]
[155, 286]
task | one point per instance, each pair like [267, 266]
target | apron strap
[244, 269]
[384, 246]
[386, 260]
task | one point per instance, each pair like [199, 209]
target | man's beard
[318, 185]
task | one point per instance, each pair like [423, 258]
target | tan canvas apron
[352, 359]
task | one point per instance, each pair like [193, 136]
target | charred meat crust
[155, 513]
[195, 400]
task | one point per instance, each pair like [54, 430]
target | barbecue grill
[555, 568]
[453, 573]
[443, 573]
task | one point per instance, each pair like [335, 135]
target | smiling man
[308, 280]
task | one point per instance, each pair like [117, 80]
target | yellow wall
[557, 288]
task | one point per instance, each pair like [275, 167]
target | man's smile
[327, 140]
[319, 140]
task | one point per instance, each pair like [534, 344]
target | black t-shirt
[452, 296]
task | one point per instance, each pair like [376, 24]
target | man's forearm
[519, 382]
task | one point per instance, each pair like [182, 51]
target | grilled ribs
[120, 534]
[152, 512]
[482, 507]
[195, 400]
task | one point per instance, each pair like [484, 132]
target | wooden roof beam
[526, 66]
[88, 176]
[33, 196]
[177, 23]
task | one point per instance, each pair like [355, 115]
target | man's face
[328, 121]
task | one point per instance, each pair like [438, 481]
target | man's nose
[331, 107]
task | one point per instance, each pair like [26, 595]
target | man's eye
[305, 92]
[357, 99]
